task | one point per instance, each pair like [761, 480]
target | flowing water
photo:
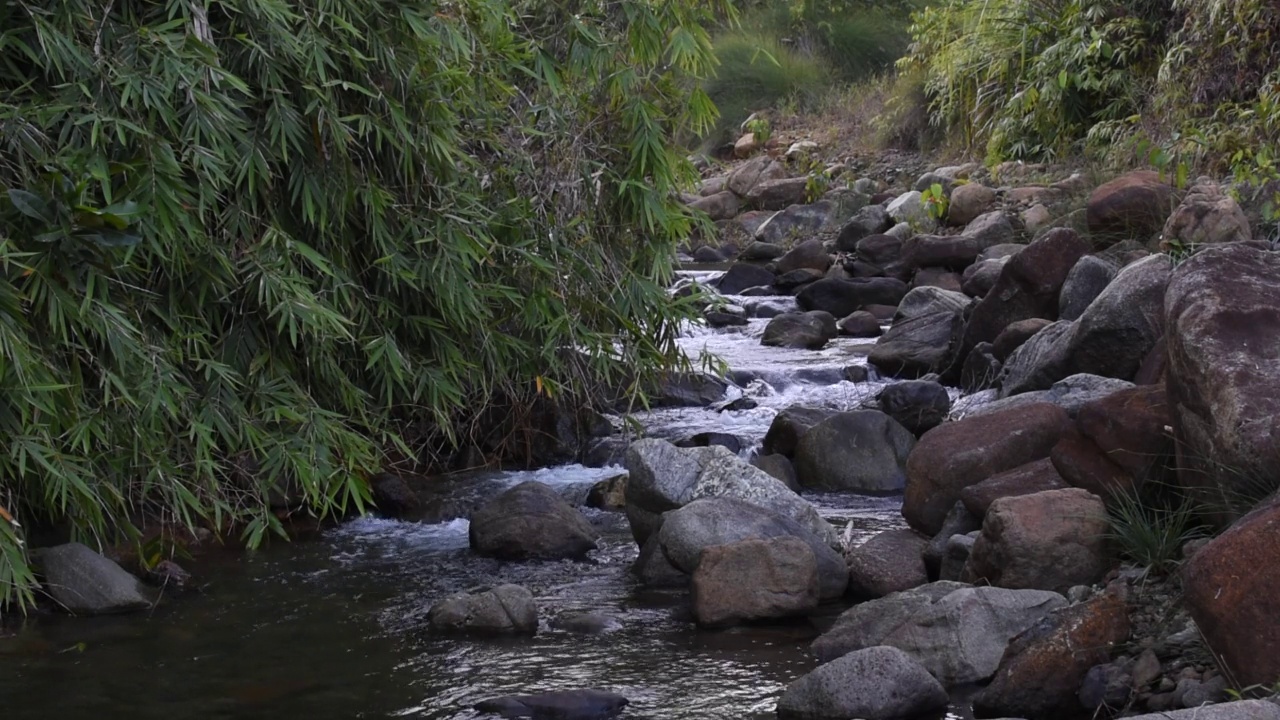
[335, 627]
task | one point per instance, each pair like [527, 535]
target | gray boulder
[531, 521]
[789, 426]
[664, 477]
[863, 451]
[741, 276]
[918, 405]
[1239, 710]
[809, 330]
[878, 683]
[557, 705]
[870, 220]
[890, 562]
[919, 344]
[506, 609]
[754, 579]
[1086, 281]
[841, 297]
[807, 255]
[687, 532]
[83, 582]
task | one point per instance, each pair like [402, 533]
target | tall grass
[1151, 523]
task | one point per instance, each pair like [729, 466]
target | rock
[1105, 688]
[1206, 216]
[759, 251]
[1086, 281]
[878, 683]
[559, 705]
[958, 637]
[789, 426]
[1205, 693]
[758, 169]
[870, 220]
[713, 185]
[506, 609]
[392, 495]
[1224, 368]
[1027, 288]
[1129, 428]
[980, 277]
[860, 324]
[1029, 479]
[169, 576]
[958, 454]
[937, 277]
[755, 579]
[1036, 218]
[1238, 710]
[981, 370]
[741, 276]
[707, 254]
[989, 229]
[841, 297]
[780, 467]
[918, 344]
[531, 521]
[956, 555]
[82, 582]
[589, 623]
[1134, 205]
[745, 146]
[968, 202]
[810, 330]
[917, 405]
[889, 562]
[862, 451]
[959, 521]
[856, 373]
[720, 206]
[609, 494]
[664, 477]
[1044, 667]
[955, 252]
[879, 249]
[687, 532]
[1014, 335]
[1110, 339]
[777, 194]
[728, 316]
[809, 254]
[1049, 540]
[910, 208]
[792, 281]
[686, 390]
[1233, 592]
[928, 300]
[654, 570]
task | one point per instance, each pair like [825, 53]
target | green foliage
[248, 247]
[935, 201]
[1149, 526]
[760, 129]
[756, 72]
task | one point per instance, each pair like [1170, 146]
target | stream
[335, 626]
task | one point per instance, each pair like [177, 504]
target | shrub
[1149, 526]
[250, 246]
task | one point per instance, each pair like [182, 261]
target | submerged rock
[560, 705]
[506, 609]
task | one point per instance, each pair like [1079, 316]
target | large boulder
[664, 477]
[506, 609]
[807, 255]
[863, 450]
[989, 229]
[860, 324]
[789, 426]
[918, 405]
[1086, 281]
[1041, 672]
[1224, 371]
[741, 276]
[921, 343]
[559, 704]
[1134, 205]
[1206, 216]
[1111, 338]
[759, 169]
[889, 562]
[1026, 479]
[720, 206]
[969, 201]
[1015, 335]
[1129, 427]
[795, 221]
[531, 521]
[1028, 286]
[879, 249]
[878, 683]
[83, 582]
[841, 297]
[955, 252]
[777, 194]
[1232, 588]
[1051, 540]
[923, 301]
[955, 455]
[910, 208]
[870, 220]
[687, 532]
[1239, 710]
[958, 633]
[809, 330]
[755, 579]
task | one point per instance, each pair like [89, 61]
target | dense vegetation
[249, 247]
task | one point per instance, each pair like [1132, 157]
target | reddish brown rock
[754, 580]
[1026, 479]
[1223, 323]
[1232, 587]
[1133, 206]
[891, 561]
[1130, 428]
[1083, 464]
[955, 455]
[1014, 335]
[1043, 668]
[1052, 540]
[937, 277]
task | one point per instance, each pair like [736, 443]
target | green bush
[1149, 526]
[248, 247]
[755, 73]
